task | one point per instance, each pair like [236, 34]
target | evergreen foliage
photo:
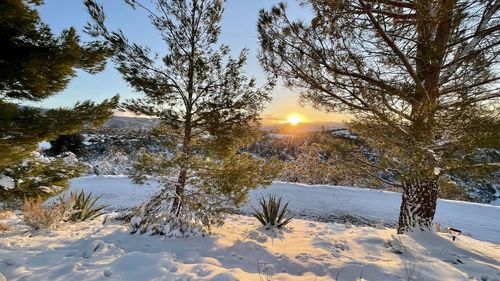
[419, 76]
[39, 176]
[36, 64]
[208, 109]
[67, 143]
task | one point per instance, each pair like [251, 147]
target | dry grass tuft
[38, 216]
[4, 227]
[5, 214]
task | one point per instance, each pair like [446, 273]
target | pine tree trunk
[181, 179]
[418, 205]
[179, 192]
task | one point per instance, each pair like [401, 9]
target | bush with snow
[38, 176]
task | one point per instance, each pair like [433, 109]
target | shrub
[67, 143]
[4, 214]
[78, 207]
[4, 227]
[84, 207]
[38, 216]
[38, 176]
[273, 215]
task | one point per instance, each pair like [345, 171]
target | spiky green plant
[273, 215]
[84, 207]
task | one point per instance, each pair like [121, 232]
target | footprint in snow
[91, 248]
[107, 273]
[372, 258]
[341, 245]
[487, 278]
[224, 277]
[7, 261]
[171, 267]
[201, 270]
[77, 266]
[303, 257]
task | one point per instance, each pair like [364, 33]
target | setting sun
[294, 119]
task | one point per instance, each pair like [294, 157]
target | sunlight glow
[294, 119]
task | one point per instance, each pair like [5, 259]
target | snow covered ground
[103, 249]
[242, 251]
[324, 203]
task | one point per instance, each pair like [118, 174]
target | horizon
[239, 18]
[302, 125]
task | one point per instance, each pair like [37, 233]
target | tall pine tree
[36, 64]
[208, 108]
[421, 77]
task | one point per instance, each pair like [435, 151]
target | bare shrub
[5, 214]
[4, 227]
[38, 216]
[409, 263]
[266, 270]
[409, 269]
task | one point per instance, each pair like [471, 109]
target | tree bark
[181, 180]
[418, 205]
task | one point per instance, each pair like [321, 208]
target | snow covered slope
[325, 203]
[241, 250]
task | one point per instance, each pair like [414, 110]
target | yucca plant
[273, 215]
[84, 207]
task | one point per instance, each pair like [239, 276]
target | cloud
[272, 119]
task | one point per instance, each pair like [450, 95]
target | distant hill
[135, 123]
[287, 128]
[122, 122]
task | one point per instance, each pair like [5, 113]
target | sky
[239, 30]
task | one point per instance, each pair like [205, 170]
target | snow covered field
[325, 203]
[103, 249]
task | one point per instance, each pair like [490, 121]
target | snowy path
[478, 220]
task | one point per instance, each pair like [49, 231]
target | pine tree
[67, 143]
[419, 76]
[36, 64]
[311, 166]
[208, 109]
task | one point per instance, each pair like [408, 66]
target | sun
[294, 119]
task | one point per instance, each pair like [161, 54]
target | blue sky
[239, 30]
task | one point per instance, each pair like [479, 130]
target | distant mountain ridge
[126, 122]
[122, 122]
[287, 128]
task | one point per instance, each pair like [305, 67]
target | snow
[104, 249]
[6, 182]
[44, 145]
[241, 250]
[319, 202]
[117, 191]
